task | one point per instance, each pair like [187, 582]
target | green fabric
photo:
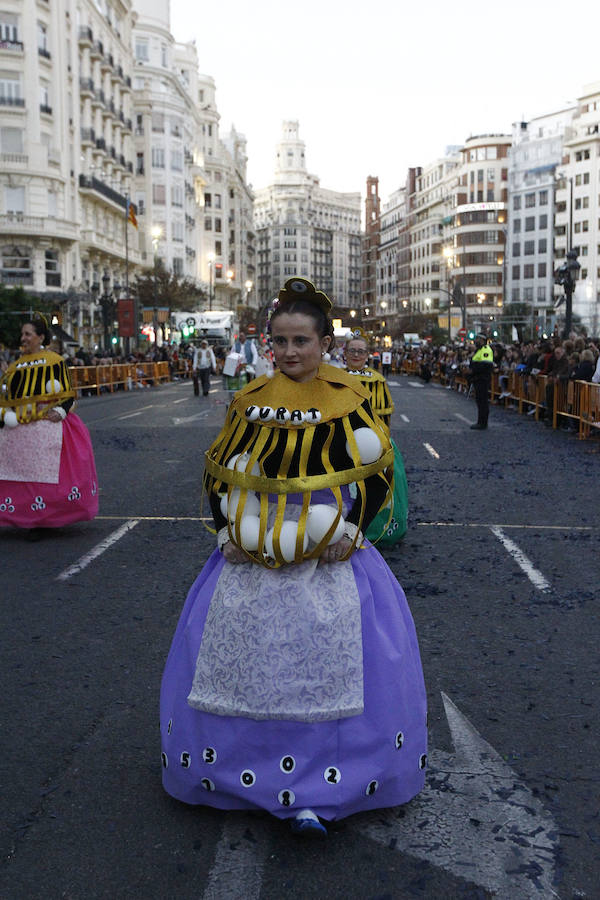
[380, 530]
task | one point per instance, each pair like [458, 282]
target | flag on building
[131, 217]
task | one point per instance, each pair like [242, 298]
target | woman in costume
[294, 683]
[390, 524]
[47, 470]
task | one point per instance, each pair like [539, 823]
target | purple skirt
[336, 768]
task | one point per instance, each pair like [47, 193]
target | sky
[379, 88]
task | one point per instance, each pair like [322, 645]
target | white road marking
[237, 869]
[431, 451]
[96, 551]
[510, 851]
[130, 415]
[193, 418]
[394, 383]
[404, 418]
[416, 384]
[214, 391]
[183, 399]
[462, 418]
[536, 577]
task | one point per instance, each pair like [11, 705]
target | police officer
[482, 364]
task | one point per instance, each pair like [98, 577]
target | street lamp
[566, 275]
[107, 302]
[248, 287]
[211, 278]
[156, 234]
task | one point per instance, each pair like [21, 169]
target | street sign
[251, 329]
[462, 332]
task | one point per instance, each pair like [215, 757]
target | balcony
[128, 124]
[126, 83]
[25, 276]
[97, 50]
[44, 108]
[130, 167]
[14, 46]
[18, 224]
[12, 101]
[100, 144]
[112, 152]
[106, 63]
[9, 160]
[86, 86]
[88, 136]
[98, 98]
[43, 52]
[86, 36]
[88, 183]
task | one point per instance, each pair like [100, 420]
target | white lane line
[394, 383]
[536, 577]
[85, 560]
[194, 418]
[462, 418]
[404, 418]
[214, 391]
[237, 869]
[130, 415]
[175, 402]
[416, 384]
[430, 450]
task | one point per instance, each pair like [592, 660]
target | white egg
[251, 506]
[249, 532]
[368, 443]
[10, 418]
[287, 541]
[240, 463]
[319, 520]
[252, 413]
[53, 386]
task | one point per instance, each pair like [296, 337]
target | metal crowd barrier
[121, 376]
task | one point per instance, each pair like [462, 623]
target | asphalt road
[501, 567]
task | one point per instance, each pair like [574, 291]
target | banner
[126, 317]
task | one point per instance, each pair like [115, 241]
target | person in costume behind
[282, 689]
[389, 525]
[47, 470]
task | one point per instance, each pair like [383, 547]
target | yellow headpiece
[357, 333]
[297, 288]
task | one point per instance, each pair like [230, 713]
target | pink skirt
[48, 503]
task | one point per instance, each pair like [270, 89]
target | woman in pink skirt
[47, 470]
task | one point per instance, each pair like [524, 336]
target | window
[529, 248]
[217, 201]
[177, 231]
[517, 202]
[207, 223]
[517, 226]
[530, 223]
[543, 198]
[541, 270]
[9, 27]
[141, 49]
[542, 245]
[11, 140]
[585, 225]
[208, 200]
[158, 122]
[177, 194]
[10, 89]
[528, 270]
[163, 56]
[15, 265]
[543, 221]
[52, 204]
[516, 295]
[541, 294]
[177, 160]
[218, 248]
[42, 35]
[177, 265]
[529, 200]
[516, 273]
[14, 199]
[159, 194]
[52, 270]
[528, 295]
[218, 225]
[516, 249]
[158, 158]
[139, 163]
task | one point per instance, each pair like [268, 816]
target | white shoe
[531, 412]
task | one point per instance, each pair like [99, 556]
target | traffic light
[114, 339]
[471, 335]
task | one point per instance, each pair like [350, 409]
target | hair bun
[297, 288]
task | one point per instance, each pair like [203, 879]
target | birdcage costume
[47, 469]
[291, 684]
